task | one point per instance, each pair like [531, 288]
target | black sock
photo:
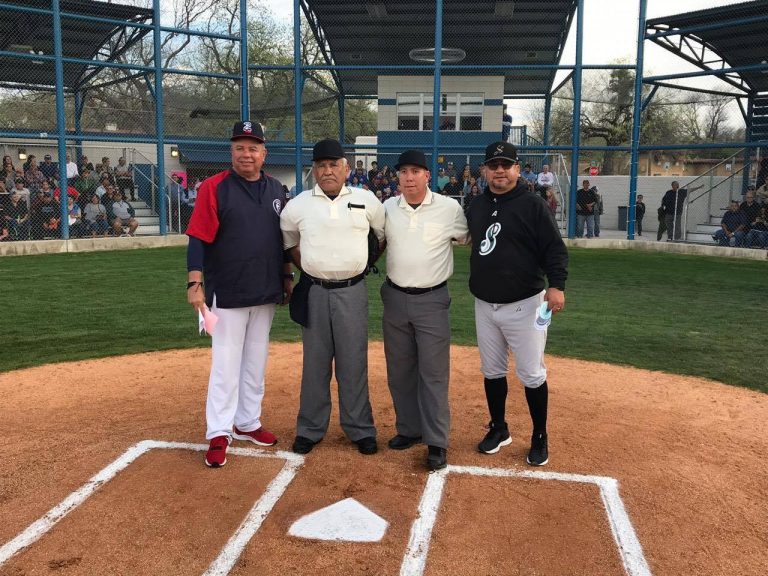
[496, 395]
[537, 406]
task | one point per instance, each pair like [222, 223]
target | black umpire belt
[416, 291]
[331, 284]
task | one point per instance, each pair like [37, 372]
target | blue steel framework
[729, 74]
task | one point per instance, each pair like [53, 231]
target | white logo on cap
[247, 127]
[499, 150]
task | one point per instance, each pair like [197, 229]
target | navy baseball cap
[328, 149]
[500, 151]
[412, 158]
[248, 130]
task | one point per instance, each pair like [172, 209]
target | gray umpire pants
[338, 330]
[417, 337]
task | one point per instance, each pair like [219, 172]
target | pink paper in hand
[209, 320]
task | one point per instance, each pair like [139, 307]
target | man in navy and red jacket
[235, 243]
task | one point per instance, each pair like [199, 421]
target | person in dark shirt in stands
[673, 204]
[49, 169]
[731, 226]
[453, 188]
[757, 237]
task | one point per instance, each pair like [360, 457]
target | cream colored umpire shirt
[332, 235]
[419, 253]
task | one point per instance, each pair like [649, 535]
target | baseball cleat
[538, 455]
[437, 458]
[367, 445]
[262, 436]
[401, 442]
[217, 452]
[497, 436]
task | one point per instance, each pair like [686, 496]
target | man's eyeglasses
[505, 164]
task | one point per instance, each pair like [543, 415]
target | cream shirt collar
[317, 191]
[403, 203]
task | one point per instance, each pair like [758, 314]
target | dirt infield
[689, 456]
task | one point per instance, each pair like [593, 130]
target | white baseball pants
[504, 327]
[236, 385]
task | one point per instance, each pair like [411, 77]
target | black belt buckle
[332, 284]
[415, 291]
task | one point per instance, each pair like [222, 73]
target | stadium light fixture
[448, 55]
[22, 153]
[174, 151]
[504, 9]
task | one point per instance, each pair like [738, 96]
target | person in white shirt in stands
[420, 228]
[544, 181]
[123, 213]
[72, 171]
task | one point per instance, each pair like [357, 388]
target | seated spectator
[123, 214]
[451, 170]
[5, 233]
[31, 161]
[74, 218]
[442, 179]
[731, 226]
[354, 182]
[373, 171]
[757, 237]
[85, 164]
[552, 202]
[102, 188]
[470, 195]
[7, 170]
[21, 190]
[762, 174]
[86, 184]
[750, 208]
[762, 193]
[453, 188]
[468, 185]
[375, 184]
[46, 218]
[544, 180]
[466, 175]
[530, 176]
[482, 181]
[49, 169]
[17, 217]
[72, 169]
[96, 217]
[71, 193]
[124, 177]
[361, 176]
[33, 177]
[5, 195]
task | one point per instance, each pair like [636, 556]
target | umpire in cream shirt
[326, 232]
[420, 228]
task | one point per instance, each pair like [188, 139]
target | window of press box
[458, 111]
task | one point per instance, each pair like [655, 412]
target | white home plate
[347, 520]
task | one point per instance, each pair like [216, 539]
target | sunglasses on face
[505, 164]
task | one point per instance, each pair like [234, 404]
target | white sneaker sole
[215, 465]
[506, 442]
[249, 439]
[532, 464]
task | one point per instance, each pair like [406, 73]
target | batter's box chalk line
[630, 551]
[227, 558]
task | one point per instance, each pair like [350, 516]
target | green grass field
[681, 314]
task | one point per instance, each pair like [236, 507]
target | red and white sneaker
[217, 452]
[262, 436]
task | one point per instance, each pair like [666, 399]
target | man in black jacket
[516, 244]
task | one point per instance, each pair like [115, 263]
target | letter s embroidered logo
[487, 245]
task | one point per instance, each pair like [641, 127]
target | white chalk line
[630, 550]
[274, 490]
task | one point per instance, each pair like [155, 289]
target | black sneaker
[437, 458]
[401, 442]
[302, 445]
[538, 455]
[367, 445]
[497, 436]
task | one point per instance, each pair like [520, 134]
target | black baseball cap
[328, 149]
[248, 130]
[500, 151]
[47, 157]
[413, 158]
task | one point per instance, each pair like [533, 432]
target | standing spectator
[520, 247]
[545, 179]
[123, 213]
[176, 193]
[732, 226]
[49, 169]
[639, 214]
[74, 218]
[326, 232]
[442, 180]
[72, 170]
[124, 178]
[238, 213]
[598, 210]
[17, 217]
[586, 202]
[662, 215]
[33, 178]
[420, 228]
[96, 217]
[673, 203]
[189, 197]
[506, 124]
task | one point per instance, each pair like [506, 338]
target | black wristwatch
[289, 276]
